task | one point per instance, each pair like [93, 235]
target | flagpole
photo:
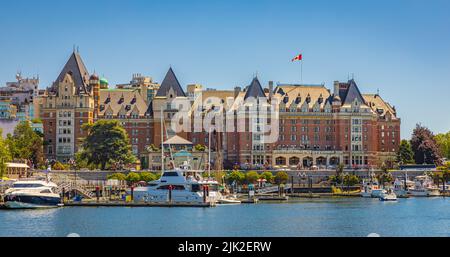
[301, 71]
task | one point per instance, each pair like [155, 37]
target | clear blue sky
[401, 48]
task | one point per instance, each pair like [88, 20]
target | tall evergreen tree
[424, 146]
[405, 153]
[107, 143]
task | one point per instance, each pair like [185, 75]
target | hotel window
[293, 138]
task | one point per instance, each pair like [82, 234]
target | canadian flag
[297, 58]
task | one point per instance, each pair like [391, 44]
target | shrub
[147, 176]
[118, 176]
[58, 166]
[268, 176]
[251, 177]
[133, 177]
[235, 176]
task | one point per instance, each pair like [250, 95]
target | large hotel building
[315, 126]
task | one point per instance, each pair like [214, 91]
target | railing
[271, 189]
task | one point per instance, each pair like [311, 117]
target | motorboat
[424, 186]
[179, 185]
[402, 186]
[30, 194]
[229, 200]
[388, 195]
[371, 189]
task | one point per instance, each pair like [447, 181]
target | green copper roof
[103, 81]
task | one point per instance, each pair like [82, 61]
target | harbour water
[302, 217]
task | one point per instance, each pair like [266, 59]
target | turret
[95, 85]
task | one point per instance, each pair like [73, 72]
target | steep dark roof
[76, 68]
[254, 90]
[352, 93]
[170, 81]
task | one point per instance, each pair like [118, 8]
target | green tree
[350, 180]
[5, 155]
[200, 148]
[268, 176]
[118, 176]
[443, 141]
[339, 169]
[281, 177]
[106, 143]
[133, 177]
[405, 153]
[251, 177]
[147, 176]
[235, 176]
[424, 146]
[26, 144]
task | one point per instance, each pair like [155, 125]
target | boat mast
[162, 143]
[209, 153]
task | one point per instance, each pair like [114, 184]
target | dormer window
[121, 100]
[308, 99]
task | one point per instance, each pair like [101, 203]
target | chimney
[270, 90]
[336, 87]
[236, 91]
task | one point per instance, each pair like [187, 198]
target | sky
[401, 48]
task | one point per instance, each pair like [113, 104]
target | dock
[249, 200]
[273, 198]
[136, 204]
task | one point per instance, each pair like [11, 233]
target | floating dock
[137, 204]
[273, 198]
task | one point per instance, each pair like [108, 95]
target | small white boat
[370, 189]
[388, 195]
[402, 186]
[229, 200]
[424, 187]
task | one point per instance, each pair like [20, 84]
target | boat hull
[31, 202]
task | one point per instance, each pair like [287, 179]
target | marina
[327, 216]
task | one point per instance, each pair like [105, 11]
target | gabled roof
[170, 81]
[177, 140]
[352, 93]
[254, 90]
[76, 68]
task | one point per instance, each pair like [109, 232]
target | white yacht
[402, 187]
[179, 185]
[388, 195]
[32, 194]
[424, 186]
[370, 188]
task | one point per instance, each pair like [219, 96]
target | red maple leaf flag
[297, 58]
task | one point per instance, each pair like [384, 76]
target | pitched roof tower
[170, 81]
[76, 68]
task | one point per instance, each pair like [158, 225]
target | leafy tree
[251, 177]
[200, 148]
[268, 176]
[424, 146]
[405, 153]
[118, 176]
[281, 177]
[133, 177]
[107, 142]
[152, 148]
[235, 176]
[147, 176]
[26, 144]
[350, 180]
[339, 169]
[5, 155]
[443, 141]
[385, 177]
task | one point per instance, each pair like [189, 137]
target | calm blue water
[308, 217]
